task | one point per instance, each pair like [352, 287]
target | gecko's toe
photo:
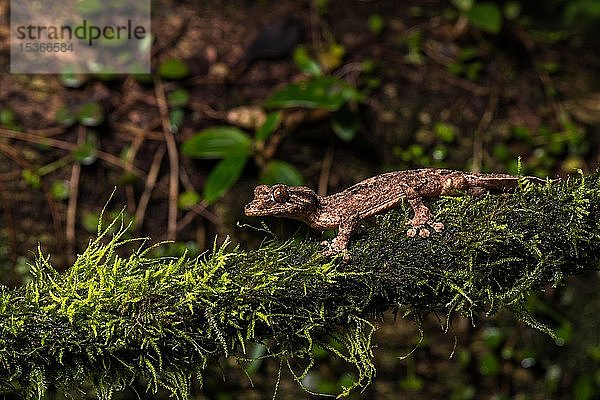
[424, 232]
[437, 226]
[331, 252]
[346, 258]
[412, 232]
[332, 249]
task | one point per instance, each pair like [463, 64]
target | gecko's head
[297, 202]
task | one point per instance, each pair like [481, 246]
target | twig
[60, 144]
[326, 170]
[146, 133]
[207, 110]
[556, 104]
[150, 183]
[464, 84]
[173, 159]
[484, 123]
[136, 144]
[49, 132]
[201, 210]
[9, 176]
[72, 206]
[14, 155]
[185, 180]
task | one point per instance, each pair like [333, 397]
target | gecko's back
[385, 191]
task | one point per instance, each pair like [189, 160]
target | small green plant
[467, 63]
[173, 69]
[234, 147]
[7, 119]
[376, 24]
[481, 14]
[89, 114]
[414, 43]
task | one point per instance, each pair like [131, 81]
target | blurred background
[322, 93]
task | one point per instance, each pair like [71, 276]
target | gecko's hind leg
[423, 217]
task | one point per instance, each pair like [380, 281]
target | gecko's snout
[256, 207]
[251, 210]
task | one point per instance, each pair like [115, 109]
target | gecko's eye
[280, 194]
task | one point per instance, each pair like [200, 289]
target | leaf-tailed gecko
[374, 195]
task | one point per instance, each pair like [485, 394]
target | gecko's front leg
[340, 243]
[423, 216]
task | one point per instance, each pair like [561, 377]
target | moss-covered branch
[111, 318]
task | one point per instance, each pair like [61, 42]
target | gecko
[375, 195]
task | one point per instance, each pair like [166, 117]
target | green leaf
[173, 69]
[414, 42]
[376, 24]
[85, 154]
[468, 53]
[32, 178]
[90, 221]
[412, 383]
[90, 114]
[270, 125]
[7, 117]
[176, 117]
[223, 176]
[584, 387]
[463, 5]
[142, 78]
[486, 16]
[281, 172]
[493, 337]
[581, 11]
[489, 365]
[332, 57]
[60, 190]
[70, 79]
[345, 123]
[65, 116]
[305, 62]
[178, 98]
[445, 132]
[320, 92]
[218, 142]
[188, 200]
[512, 10]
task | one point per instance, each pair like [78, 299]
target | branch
[111, 319]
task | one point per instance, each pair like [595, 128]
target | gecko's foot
[333, 249]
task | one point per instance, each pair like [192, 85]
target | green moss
[112, 318]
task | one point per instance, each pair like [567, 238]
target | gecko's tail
[500, 182]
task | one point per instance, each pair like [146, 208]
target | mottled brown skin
[374, 195]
